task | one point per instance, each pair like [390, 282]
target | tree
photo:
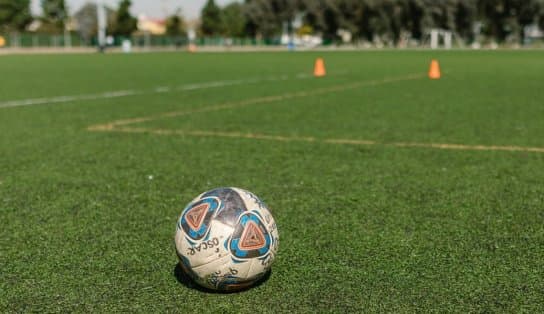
[86, 18]
[413, 15]
[260, 18]
[268, 17]
[541, 15]
[284, 11]
[386, 20]
[14, 15]
[465, 17]
[439, 14]
[234, 21]
[527, 13]
[54, 14]
[496, 17]
[125, 23]
[251, 26]
[344, 14]
[175, 25]
[211, 19]
[506, 18]
[314, 17]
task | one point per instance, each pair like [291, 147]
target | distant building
[151, 26]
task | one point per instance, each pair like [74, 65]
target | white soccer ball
[226, 239]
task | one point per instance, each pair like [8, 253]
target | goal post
[438, 34]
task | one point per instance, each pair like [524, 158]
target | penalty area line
[347, 142]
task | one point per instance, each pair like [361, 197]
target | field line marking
[257, 100]
[348, 142]
[472, 147]
[122, 126]
[198, 133]
[156, 90]
[64, 99]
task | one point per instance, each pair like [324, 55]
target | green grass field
[392, 192]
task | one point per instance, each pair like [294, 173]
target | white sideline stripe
[162, 89]
[213, 84]
[156, 90]
[61, 99]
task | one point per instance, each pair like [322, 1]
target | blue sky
[152, 8]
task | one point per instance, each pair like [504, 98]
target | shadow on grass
[184, 278]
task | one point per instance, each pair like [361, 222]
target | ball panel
[233, 205]
[250, 200]
[224, 274]
[210, 248]
[250, 238]
[196, 219]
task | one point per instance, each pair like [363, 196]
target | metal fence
[29, 40]
[68, 40]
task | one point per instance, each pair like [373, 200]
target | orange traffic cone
[319, 68]
[434, 70]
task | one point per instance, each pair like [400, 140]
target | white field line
[156, 90]
[63, 99]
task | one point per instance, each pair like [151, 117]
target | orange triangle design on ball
[195, 216]
[252, 238]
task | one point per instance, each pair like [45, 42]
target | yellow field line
[123, 125]
[254, 101]
[352, 142]
[349, 142]
[197, 133]
[473, 147]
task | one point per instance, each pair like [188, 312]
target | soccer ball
[226, 239]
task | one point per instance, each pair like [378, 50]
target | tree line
[387, 21]
[371, 20]
[15, 16]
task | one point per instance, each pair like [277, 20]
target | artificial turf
[88, 217]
